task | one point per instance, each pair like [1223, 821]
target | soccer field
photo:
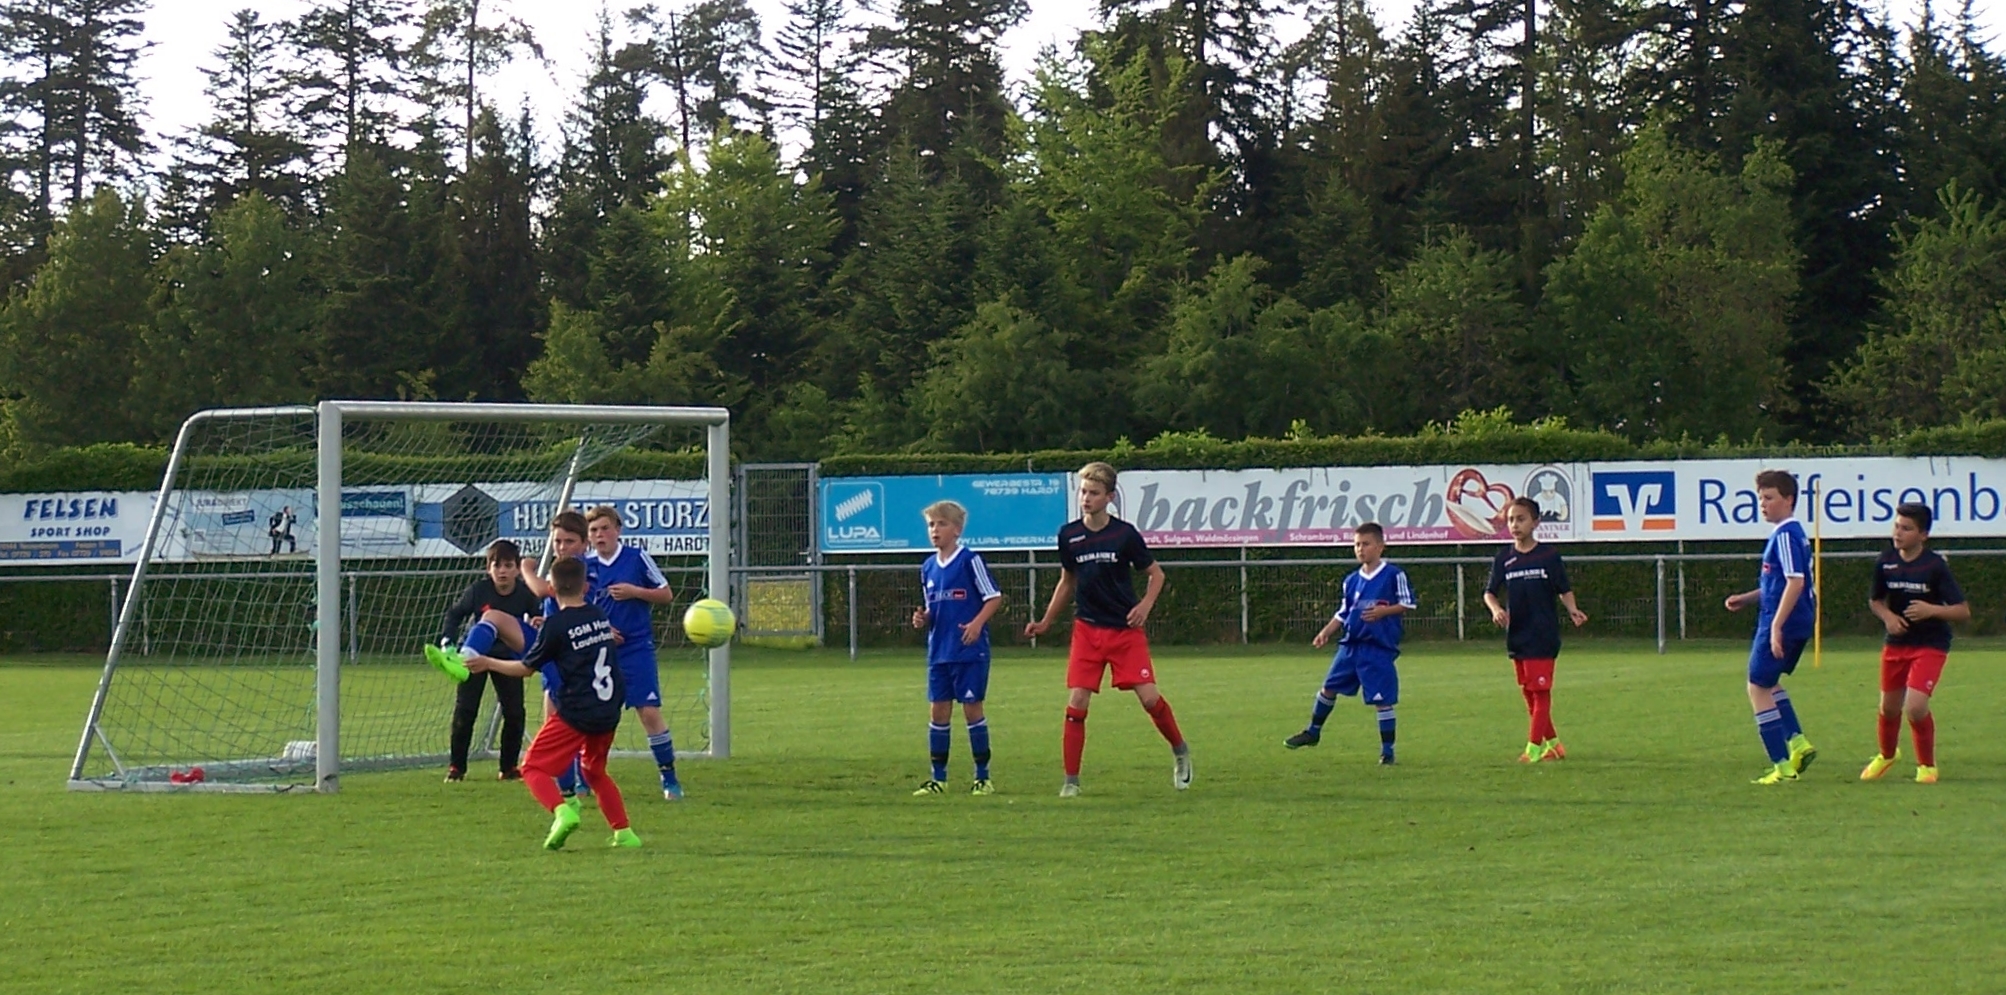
[1643, 863]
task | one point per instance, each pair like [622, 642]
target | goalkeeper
[502, 608]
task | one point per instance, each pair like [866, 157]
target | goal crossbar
[330, 417]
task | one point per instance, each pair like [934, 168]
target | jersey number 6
[602, 677]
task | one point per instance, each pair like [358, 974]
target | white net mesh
[216, 666]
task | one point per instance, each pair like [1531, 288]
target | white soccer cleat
[1070, 789]
[1180, 774]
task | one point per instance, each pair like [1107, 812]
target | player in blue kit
[961, 598]
[1785, 616]
[1531, 577]
[626, 585]
[1376, 595]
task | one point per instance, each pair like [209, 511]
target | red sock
[543, 788]
[1532, 716]
[1076, 739]
[1890, 733]
[1924, 731]
[1166, 723]
[1542, 716]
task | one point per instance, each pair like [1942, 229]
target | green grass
[1644, 863]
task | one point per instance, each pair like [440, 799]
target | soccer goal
[297, 558]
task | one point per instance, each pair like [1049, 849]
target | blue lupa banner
[1005, 510]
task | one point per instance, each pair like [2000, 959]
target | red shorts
[1096, 648]
[1534, 675]
[1918, 667]
[556, 743]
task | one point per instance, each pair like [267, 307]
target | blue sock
[567, 782]
[1386, 732]
[480, 639]
[663, 746]
[1791, 729]
[1770, 725]
[938, 739]
[1320, 711]
[978, 744]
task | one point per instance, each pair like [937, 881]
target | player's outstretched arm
[1574, 612]
[1140, 613]
[1499, 615]
[508, 668]
[1062, 592]
[1736, 602]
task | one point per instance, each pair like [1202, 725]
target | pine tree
[496, 298]
[457, 46]
[245, 147]
[352, 57]
[707, 55]
[76, 100]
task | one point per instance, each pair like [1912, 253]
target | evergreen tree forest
[1751, 220]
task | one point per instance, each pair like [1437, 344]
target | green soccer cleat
[1925, 775]
[982, 787]
[1779, 774]
[446, 662]
[574, 803]
[1532, 753]
[930, 787]
[1551, 750]
[625, 839]
[1878, 766]
[563, 822]
[1801, 753]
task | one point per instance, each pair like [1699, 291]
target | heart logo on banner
[1477, 506]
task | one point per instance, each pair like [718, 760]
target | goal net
[297, 560]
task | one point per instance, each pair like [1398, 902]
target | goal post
[230, 656]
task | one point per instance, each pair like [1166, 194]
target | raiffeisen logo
[1636, 501]
[856, 516]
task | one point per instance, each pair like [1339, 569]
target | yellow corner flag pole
[1817, 590]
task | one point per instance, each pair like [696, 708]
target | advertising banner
[663, 517]
[68, 529]
[1005, 510]
[1322, 506]
[1840, 498]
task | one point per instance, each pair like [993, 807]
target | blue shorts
[642, 677]
[963, 681]
[1364, 671]
[1764, 669]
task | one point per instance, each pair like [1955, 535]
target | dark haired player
[1097, 553]
[579, 642]
[1915, 596]
[1376, 596]
[1784, 620]
[1531, 576]
[502, 608]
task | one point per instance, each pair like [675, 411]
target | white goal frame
[330, 417]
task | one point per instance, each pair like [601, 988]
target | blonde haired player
[1098, 554]
[961, 598]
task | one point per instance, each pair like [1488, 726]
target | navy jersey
[1927, 579]
[1787, 555]
[1101, 564]
[578, 642]
[955, 593]
[1384, 586]
[632, 618]
[1531, 583]
[481, 596]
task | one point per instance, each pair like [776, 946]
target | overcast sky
[185, 32]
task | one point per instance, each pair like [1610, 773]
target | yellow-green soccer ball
[709, 623]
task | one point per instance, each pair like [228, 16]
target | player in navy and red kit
[579, 642]
[1531, 576]
[1916, 598]
[1098, 554]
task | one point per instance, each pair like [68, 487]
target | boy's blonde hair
[603, 511]
[1100, 473]
[946, 511]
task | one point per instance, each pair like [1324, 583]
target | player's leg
[1533, 749]
[1128, 659]
[644, 696]
[939, 727]
[1340, 681]
[1801, 750]
[568, 780]
[1539, 688]
[1888, 717]
[1379, 686]
[553, 750]
[508, 698]
[1764, 672]
[466, 710]
[1086, 664]
[592, 761]
[977, 720]
[1923, 674]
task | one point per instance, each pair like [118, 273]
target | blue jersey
[1787, 555]
[632, 618]
[955, 593]
[1385, 586]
